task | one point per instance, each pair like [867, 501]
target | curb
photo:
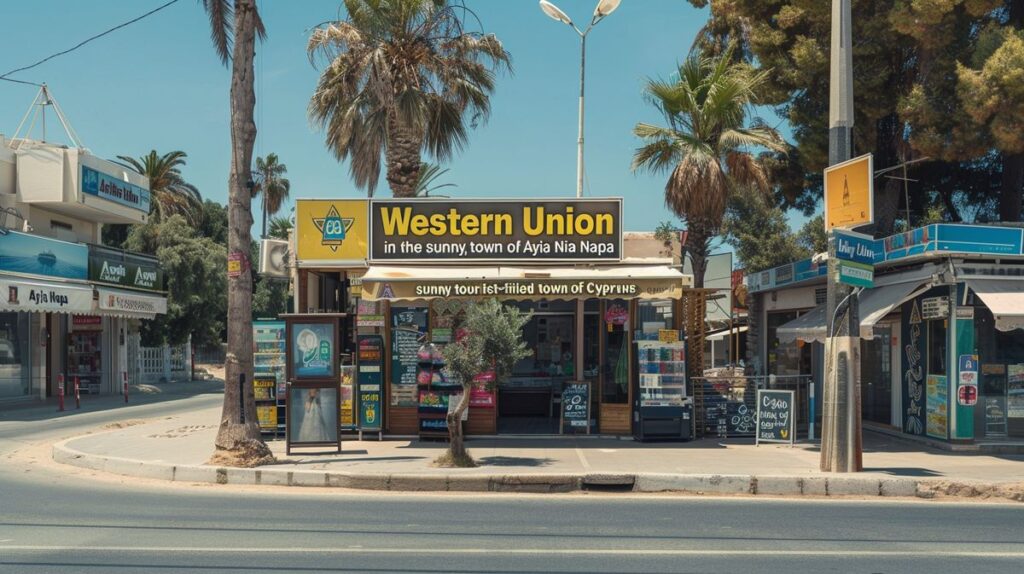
[714, 484]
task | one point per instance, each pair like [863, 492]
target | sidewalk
[177, 448]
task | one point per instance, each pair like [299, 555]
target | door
[876, 376]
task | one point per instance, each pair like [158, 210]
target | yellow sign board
[331, 232]
[849, 193]
[668, 335]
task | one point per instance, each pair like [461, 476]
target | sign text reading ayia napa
[536, 221]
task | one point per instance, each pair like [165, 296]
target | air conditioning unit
[274, 258]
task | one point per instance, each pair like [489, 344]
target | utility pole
[841, 449]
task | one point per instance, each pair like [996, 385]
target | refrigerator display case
[662, 405]
[269, 384]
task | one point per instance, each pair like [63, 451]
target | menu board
[576, 406]
[774, 416]
[408, 325]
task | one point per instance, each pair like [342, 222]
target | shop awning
[875, 304]
[1004, 297]
[409, 283]
[129, 304]
[44, 296]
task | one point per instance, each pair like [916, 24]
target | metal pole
[579, 141]
[841, 425]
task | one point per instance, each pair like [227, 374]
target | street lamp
[603, 9]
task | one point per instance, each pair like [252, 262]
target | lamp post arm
[579, 141]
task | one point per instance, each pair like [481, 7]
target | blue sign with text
[112, 189]
[856, 248]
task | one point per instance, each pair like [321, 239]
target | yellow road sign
[849, 193]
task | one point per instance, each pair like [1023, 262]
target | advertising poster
[371, 356]
[937, 402]
[348, 405]
[313, 349]
[267, 417]
[1015, 391]
[311, 415]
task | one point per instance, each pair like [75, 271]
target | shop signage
[312, 350]
[540, 230]
[118, 267]
[112, 300]
[849, 193]
[113, 189]
[967, 395]
[934, 308]
[524, 288]
[371, 359]
[668, 335]
[87, 323]
[576, 406]
[35, 255]
[775, 418]
[331, 231]
[25, 296]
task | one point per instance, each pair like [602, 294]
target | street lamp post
[604, 8]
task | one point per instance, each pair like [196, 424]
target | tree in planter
[492, 340]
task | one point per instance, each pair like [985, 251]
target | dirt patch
[123, 424]
[953, 489]
[446, 460]
[245, 454]
[212, 371]
[182, 431]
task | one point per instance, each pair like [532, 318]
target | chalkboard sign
[774, 416]
[408, 325]
[576, 407]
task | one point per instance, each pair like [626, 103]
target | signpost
[576, 406]
[855, 254]
[775, 420]
[849, 193]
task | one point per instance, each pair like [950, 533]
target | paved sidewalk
[177, 448]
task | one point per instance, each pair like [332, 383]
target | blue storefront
[942, 331]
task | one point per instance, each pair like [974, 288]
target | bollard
[810, 427]
[78, 395]
[125, 373]
[60, 393]
[241, 398]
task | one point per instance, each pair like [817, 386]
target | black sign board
[576, 407]
[371, 358]
[408, 325]
[775, 420]
[537, 230]
[123, 268]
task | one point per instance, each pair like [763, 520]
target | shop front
[406, 272]
[941, 332]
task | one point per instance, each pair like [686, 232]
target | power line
[82, 43]
[20, 81]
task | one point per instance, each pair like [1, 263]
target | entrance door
[876, 376]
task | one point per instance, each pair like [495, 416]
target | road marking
[583, 461]
[521, 551]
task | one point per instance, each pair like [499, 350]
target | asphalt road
[52, 522]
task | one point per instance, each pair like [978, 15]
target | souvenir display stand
[663, 407]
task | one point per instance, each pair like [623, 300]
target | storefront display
[663, 406]
[434, 392]
[268, 365]
[15, 355]
[371, 377]
[85, 353]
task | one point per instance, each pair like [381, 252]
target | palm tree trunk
[402, 156]
[264, 203]
[697, 248]
[239, 433]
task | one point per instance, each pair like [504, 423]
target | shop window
[1000, 409]
[591, 345]
[789, 358]
[14, 355]
[615, 369]
[651, 317]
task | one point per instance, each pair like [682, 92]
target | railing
[726, 405]
[148, 365]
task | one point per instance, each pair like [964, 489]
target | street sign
[849, 193]
[934, 308]
[855, 253]
[968, 395]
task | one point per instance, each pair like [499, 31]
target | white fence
[148, 365]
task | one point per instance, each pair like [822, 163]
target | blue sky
[157, 84]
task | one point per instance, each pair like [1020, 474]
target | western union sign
[495, 230]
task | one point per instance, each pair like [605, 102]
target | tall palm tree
[171, 194]
[279, 227]
[429, 172]
[270, 181]
[234, 27]
[707, 148]
[402, 77]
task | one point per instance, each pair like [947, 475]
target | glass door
[876, 376]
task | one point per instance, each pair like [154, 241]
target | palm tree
[402, 77]
[279, 227]
[271, 183]
[171, 194]
[706, 147]
[234, 27]
[425, 181]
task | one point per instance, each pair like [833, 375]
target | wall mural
[914, 374]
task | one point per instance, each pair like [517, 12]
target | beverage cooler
[662, 404]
